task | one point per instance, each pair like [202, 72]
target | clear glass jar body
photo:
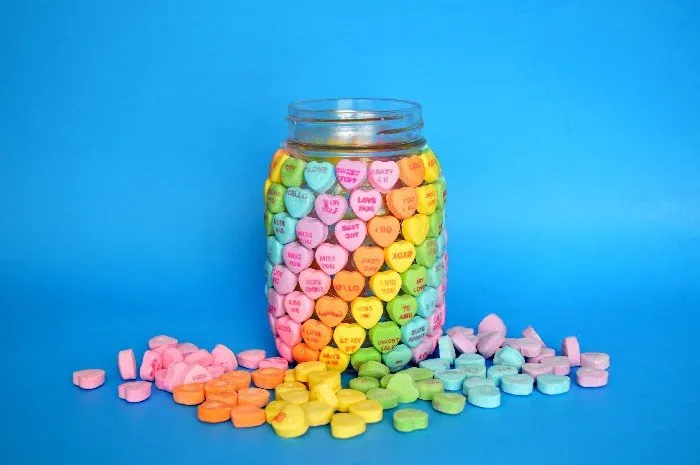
[354, 215]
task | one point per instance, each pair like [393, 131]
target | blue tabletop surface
[134, 139]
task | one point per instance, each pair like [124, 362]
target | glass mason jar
[354, 216]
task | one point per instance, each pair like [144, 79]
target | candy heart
[366, 310]
[350, 173]
[402, 202]
[268, 222]
[410, 419]
[268, 274]
[427, 199]
[413, 280]
[436, 321]
[441, 193]
[422, 351]
[396, 359]
[435, 223]
[399, 255]
[330, 208]
[427, 252]
[275, 303]
[314, 283]
[402, 308]
[278, 159]
[385, 284]
[432, 166]
[411, 171]
[364, 354]
[350, 233]
[349, 337]
[441, 242]
[413, 332]
[315, 334]
[365, 204]
[331, 310]
[320, 176]
[283, 280]
[272, 320]
[441, 293]
[415, 228]
[297, 257]
[284, 227]
[311, 232]
[298, 306]
[298, 201]
[275, 197]
[492, 323]
[331, 258]
[284, 350]
[290, 422]
[368, 260]
[303, 353]
[274, 250]
[436, 273]
[383, 230]
[427, 301]
[383, 175]
[288, 330]
[292, 172]
[348, 284]
[385, 335]
[334, 358]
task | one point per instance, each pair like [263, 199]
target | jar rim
[354, 109]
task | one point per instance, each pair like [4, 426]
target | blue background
[135, 137]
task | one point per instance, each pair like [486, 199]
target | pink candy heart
[314, 283]
[311, 232]
[297, 257]
[272, 320]
[298, 306]
[350, 174]
[283, 280]
[331, 258]
[365, 204]
[350, 233]
[284, 350]
[383, 175]
[436, 320]
[330, 208]
[288, 331]
[275, 303]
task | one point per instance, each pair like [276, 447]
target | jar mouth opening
[349, 110]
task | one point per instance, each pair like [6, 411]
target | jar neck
[354, 127]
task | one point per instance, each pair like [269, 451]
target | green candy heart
[410, 419]
[404, 387]
[364, 354]
[364, 383]
[385, 380]
[384, 336]
[427, 388]
[397, 358]
[268, 223]
[386, 398]
[436, 273]
[451, 403]
[435, 223]
[292, 172]
[426, 253]
[402, 308]
[373, 369]
[419, 374]
[275, 197]
[414, 279]
[441, 194]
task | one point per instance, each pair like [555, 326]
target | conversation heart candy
[385, 284]
[320, 176]
[441, 193]
[275, 197]
[397, 358]
[274, 250]
[413, 332]
[298, 306]
[363, 355]
[330, 208]
[331, 310]
[415, 228]
[436, 273]
[402, 202]
[297, 257]
[292, 172]
[268, 274]
[365, 203]
[283, 280]
[410, 419]
[331, 258]
[284, 227]
[299, 201]
[303, 353]
[348, 284]
[284, 350]
[402, 308]
[90, 378]
[349, 337]
[272, 321]
[350, 233]
[275, 303]
[196, 374]
[224, 357]
[435, 222]
[490, 323]
[399, 255]
[134, 391]
[383, 175]
[570, 348]
[437, 320]
[366, 311]
[311, 232]
[288, 331]
[422, 351]
[278, 159]
[431, 164]
[350, 173]
[489, 343]
[426, 253]
[314, 283]
[413, 279]
[368, 260]
[441, 290]
[266, 188]
[315, 334]
[334, 358]
[383, 230]
[411, 171]
[385, 335]
[427, 199]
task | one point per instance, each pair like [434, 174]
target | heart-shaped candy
[413, 280]
[274, 250]
[436, 273]
[275, 303]
[284, 350]
[330, 208]
[298, 306]
[315, 334]
[331, 310]
[272, 320]
[348, 284]
[427, 252]
[278, 159]
[413, 332]
[427, 199]
[303, 353]
[436, 321]
[299, 201]
[268, 274]
[411, 171]
[402, 308]
[410, 419]
[426, 301]
[334, 358]
[331, 258]
[399, 255]
[364, 354]
[292, 172]
[432, 166]
[290, 422]
[402, 202]
[314, 283]
[396, 359]
[385, 284]
[367, 311]
[275, 197]
[368, 260]
[435, 222]
[284, 227]
[415, 228]
[297, 257]
[383, 230]
[383, 175]
[422, 351]
[441, 193]
[283, 280]
[265, 189]
[365, 203]
[385, 335]
[311, 232]
[441, 242]
[442, 288]
[320, 176]
[349, 337]
[350, 173]
[350, 233]
[288, 330]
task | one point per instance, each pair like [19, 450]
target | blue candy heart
[299, 201]
[284, 227]
[397, 358]
[268, 274]
[436, 273]
[274, 250]
[441, 243]
[319, 176]
[413, 332]
[426, 301]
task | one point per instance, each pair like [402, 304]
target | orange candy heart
[331, 310]
[316, 334]
[348, 284]
[368, 260]
[383, 230]
[411, 171]
[402, 202]
[303, 353]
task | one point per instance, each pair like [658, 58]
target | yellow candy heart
[366, 310]
[370, 410]
[432, 166]
[290, 422]
[386, 284]
[273, 409]
[349, 337]
[334, 358]
[267, 188]
[347, 425]
[399, 256]
[347, 397]
[324, 394]
[427, 199]
[301, 372]
[276, 165]
[329, 377]
[317, 413]
[297, 397]
[415, 229]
